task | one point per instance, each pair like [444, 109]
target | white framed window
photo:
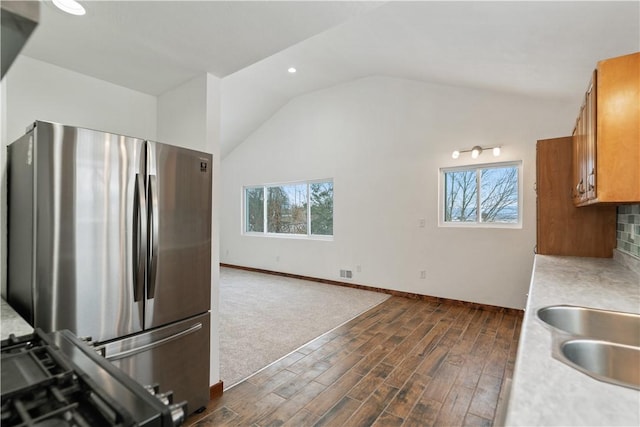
[487, 195]
[298, 209]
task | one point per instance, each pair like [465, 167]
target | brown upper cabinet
[606, 138]
[563, 228]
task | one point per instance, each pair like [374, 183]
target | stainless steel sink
[613, 326]
[605, 361]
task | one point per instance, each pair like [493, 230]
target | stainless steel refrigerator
[110, 237]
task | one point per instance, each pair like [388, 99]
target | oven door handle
[147, 347]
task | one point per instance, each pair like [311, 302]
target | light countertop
[12, 323]
[547, 392]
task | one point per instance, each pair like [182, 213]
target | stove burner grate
[39, 388]
[71, 404]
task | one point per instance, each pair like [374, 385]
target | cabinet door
[584, 149]
[564, 229]
[590, 116]
[618, 128]
[579, 159]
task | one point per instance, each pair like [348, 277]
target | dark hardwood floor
[403, 363]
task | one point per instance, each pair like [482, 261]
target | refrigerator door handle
[146, 347]
[139, 238]
[153, 236]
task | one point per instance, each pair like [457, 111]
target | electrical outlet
[359, 268]
[277, 258]
[423, 274]
[422, 222]
[347, 274]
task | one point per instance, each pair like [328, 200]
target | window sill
[512, 226]
[291, 236]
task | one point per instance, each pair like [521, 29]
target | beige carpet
[264, 317]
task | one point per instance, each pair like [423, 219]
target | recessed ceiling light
[70, 6]
[292, 70]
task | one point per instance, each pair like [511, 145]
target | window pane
[254, 209]
[321, 199]
[287, 209]
[460, 196]
[499, 194]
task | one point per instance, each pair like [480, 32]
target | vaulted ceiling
[540, 49]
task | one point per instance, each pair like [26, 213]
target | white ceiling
[542, 49]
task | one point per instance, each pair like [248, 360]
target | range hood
[18, 19]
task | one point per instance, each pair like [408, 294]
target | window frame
[266, 233]
[478, 168]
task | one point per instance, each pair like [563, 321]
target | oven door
[175, 357]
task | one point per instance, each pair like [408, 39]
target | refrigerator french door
[110, 237]
[179, 199]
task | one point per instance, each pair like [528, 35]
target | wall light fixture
[476, 151]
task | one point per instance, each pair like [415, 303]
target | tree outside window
[287, 209]
[482, 195]
[254, 209]
[293, 209]
[321, 199]
[461, 196]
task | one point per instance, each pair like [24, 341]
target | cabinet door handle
[592, 178]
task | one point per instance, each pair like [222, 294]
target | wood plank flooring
[405, 362]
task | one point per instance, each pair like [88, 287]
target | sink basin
[613, 326]
[605, 361]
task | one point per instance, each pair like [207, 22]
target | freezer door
[179, 269]
[176, 357]
[87, 205]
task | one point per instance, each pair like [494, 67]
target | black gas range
[56, 379]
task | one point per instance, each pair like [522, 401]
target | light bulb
[496, 151]
[292, 70]
[475, 152]
[455, 154]
[70, 6]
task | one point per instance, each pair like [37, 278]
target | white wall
[189, 116]
[182, 118]
[383, 141]
[38, 90]
[35, 90]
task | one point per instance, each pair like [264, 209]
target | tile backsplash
[628, 229]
